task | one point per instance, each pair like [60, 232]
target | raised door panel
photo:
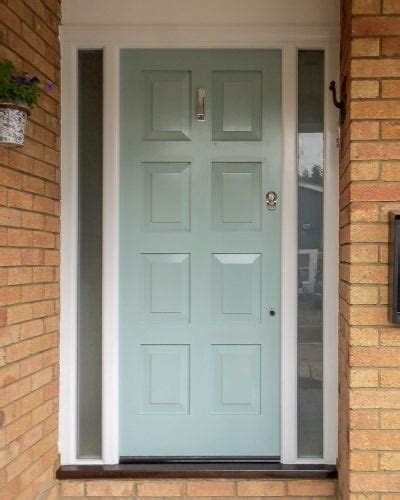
[165, 196]
[164, 287]
[237, 110]
[236, 196]
[236, 379]
[166, 105]
[165, 379]
[236, 287]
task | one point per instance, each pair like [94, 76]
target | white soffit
[226, 13]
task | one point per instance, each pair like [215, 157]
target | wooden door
[200, 253]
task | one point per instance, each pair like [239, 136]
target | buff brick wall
[369, 431]
[369, 438]
[199, 489]
[29, 263]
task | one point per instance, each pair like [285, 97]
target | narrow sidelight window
[310, 253]
[90, 194]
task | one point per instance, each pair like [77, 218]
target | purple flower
[51, 86]
[25, 79]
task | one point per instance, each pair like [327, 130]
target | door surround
[111, 40]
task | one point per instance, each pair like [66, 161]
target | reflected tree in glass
[310, 253]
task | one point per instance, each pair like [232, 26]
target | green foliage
[315, 176]
[18, 88]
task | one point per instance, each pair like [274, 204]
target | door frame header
[199, 36]
[111, 39]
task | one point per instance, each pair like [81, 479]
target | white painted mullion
[110, 303]
[331, 263]
[69, 254]
[289, 257]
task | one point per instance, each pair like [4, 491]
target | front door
[200, 252]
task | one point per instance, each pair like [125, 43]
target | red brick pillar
[369, 434]
[29, 263]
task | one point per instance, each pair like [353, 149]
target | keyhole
[272, 312]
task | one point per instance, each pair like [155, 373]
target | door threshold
[200, 470]
[201, 460]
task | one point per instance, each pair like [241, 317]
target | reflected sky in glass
[310, 254]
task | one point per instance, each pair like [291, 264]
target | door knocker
[271, 199]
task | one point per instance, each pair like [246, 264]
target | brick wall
[369, 439]
[300, 489]
[29, 260]
[369, 436]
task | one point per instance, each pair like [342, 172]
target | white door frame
[111, 40]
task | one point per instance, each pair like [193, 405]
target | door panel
[236, 194]
[167, 105]
[165, 188]
[236, 371]
[164, 288]
[200, 253]
[237, 110]
[236, 287]
[165, 379]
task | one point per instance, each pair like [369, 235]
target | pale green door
[200, 253]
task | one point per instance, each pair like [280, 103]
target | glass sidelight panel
[90, 194]
[310, 253]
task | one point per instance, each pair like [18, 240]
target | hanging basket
[12, 124]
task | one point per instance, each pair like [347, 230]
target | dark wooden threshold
[199, 460]
[197, 469]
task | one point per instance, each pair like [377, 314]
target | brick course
[29, 256]
[199, 489]
[369, 428]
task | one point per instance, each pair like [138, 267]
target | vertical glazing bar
[111, 223]
[289, 257]
[69, 252]
[331, 263]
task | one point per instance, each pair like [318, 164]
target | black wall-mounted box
[394, 269]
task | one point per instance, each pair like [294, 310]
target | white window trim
[111, 40]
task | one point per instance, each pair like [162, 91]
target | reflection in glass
[90, 182]
[310, 252]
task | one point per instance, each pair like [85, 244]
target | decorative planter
[12, 124]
